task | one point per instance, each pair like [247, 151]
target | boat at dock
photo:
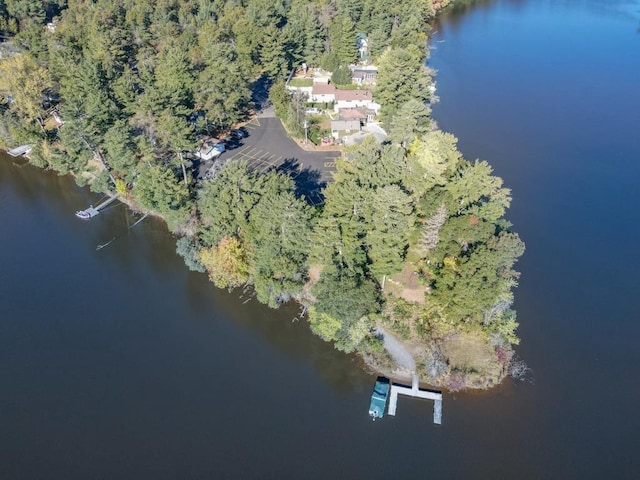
[385, 390]
[93, 211]
[88, 213]
[21, 151]
[379, 398]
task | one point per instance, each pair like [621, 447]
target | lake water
[120, 363]
[549, 93]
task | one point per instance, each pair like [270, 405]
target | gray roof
[345, 124]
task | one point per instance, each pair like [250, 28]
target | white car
[218, 148]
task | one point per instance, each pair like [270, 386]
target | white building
[355, 98]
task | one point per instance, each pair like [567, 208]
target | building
[323, 93]
[209, 149]
[364, 75]
[363, 115]
[354, 99]
[341, 128]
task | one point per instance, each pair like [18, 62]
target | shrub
[187, 249]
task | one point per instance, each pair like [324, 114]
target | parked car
[239, 133]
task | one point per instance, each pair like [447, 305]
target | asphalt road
[267, 146]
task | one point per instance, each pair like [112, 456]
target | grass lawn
[301, 82]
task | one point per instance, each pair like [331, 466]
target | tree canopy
[137, 83]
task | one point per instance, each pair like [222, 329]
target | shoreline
[186, 226]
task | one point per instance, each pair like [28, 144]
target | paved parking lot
[267, 146]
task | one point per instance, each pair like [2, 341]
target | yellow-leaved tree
[23, 80]
[226, 263]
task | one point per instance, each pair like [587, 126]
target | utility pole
[306, 126]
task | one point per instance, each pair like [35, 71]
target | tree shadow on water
[309, 183]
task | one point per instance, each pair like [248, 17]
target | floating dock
[20, 151]
[93, 211]
[415, 391]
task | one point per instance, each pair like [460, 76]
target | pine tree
[411, 121]
[222, 90]
[272, 54]
[475, 190]
[401, 77]
[277, 241]
[342, 36]
[392, 221]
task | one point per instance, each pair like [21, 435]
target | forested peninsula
[409, 241]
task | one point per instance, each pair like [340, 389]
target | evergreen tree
[475, 190]
[344, 302]
[225, 202]
[392, 220]
[172, 82]
[158, 189]
[411, 121]
[120, 150]
[272, 55]
[341, 76]
[342, 36]
[277, 241]
[351, 9]
[401, 78]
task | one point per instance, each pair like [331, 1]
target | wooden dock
[93, 211]
[415, 391]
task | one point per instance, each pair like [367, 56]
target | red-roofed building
[362, 114]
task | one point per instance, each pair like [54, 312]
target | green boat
[379, 398]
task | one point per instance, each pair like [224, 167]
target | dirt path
[397, 350]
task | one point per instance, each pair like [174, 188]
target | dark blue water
[549, 93]
[119, 363]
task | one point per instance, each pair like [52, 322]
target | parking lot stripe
[259, 154]
[243, 150]
[250, 151]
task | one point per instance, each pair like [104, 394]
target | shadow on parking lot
[233, 143]
[260, 94]
[309, 183]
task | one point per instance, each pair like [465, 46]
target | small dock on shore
[414, 391]
[20, 151]
[93, 211]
